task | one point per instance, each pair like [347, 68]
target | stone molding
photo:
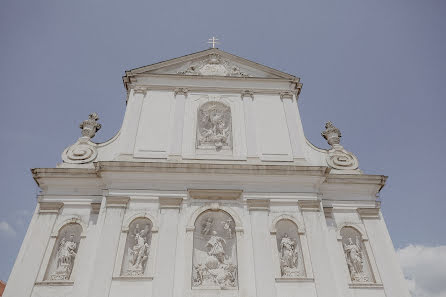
[299, 225]
[286, 95]
[247, 93]
[258, 204]
[214, 206]
[369, 213]
[140, 90]
[170, 202]
[95, 207]
[69, 220]
[215, 194]
[130, 218]
[50, 207]
[309, 205]
[112, 201]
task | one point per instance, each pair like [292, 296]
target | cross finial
[213, 41]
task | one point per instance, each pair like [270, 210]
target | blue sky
[377, 69]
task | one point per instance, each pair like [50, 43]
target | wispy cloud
[6, 228]
[424, 269]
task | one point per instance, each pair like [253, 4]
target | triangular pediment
[211, 62]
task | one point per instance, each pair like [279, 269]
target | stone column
[131, 119]
[261, 244]
[29, 259]
[250, 125]
[107, 245]
[317, 234]
[293, 122]
[176, 140]
[163, 282]
[381, 247]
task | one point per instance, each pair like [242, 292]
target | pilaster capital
[286, 94]
[50, 207]
[120, 201]
[258, 204]
[309, 205]
[181, 91]
[95, 207]
[368, 213]
[247, 93]
[140, 90]
[170, 202]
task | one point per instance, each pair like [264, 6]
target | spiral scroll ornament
[79, 153]
[339, 158]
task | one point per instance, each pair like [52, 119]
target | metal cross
[213, 41]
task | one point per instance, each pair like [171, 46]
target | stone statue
[139, 253]
[214, 126]
[217, 269]
[65, 256]
[355, 260]
[207, 226]
[227, 226]
[288, 257]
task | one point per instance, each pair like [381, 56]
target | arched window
[214, 259]
[137, 247]
[64, 252]
[289, 248]
[356, 255]
[214, 127]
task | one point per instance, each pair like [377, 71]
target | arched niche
[65, 251]
[137, 246]
[289, 249]
[214, 127]
[214, 254]
[356, 256]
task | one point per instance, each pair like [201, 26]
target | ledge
[54, 283]
[132, 278]
[365, 286]
[214, 288]
[294, 280]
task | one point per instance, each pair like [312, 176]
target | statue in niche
[227, 226]
[139, 252]
[355, 260]
[207, 226]
[66, 253]
[289, 257]
[214, 263]
[214, 126]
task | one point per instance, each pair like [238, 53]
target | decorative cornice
[95, 207]
[286, 94]
[50, 207]
[368, 213]
[328, 212]
[215, 194]
[258, 204]
[247, 93]
[309, 205]
[112, 201]
[181, 91]
[170, 202]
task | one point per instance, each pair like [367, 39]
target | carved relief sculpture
[214, 129]
[214, 65]
[338, 157]
[65, 252]
[290, 254]
[214, 259]
[137, 247]
[355, 256]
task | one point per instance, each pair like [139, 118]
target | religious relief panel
[137, 247]
[64, 252]
[215, 251]
[214, 129]
[290, 252]
[356, 255]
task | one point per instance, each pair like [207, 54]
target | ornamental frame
[370, 257]
[241, 247]
[308, 269]
[61, 222]
[150, 265]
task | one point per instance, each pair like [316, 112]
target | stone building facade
[210, 188]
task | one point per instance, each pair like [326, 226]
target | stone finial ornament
[83, 151]
[91, 126]
[338, 157]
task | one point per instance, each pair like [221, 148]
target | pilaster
[176, 139]
[250, 126]
[293, 120]
[131, 119]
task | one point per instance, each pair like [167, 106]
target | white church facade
[210, 188]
